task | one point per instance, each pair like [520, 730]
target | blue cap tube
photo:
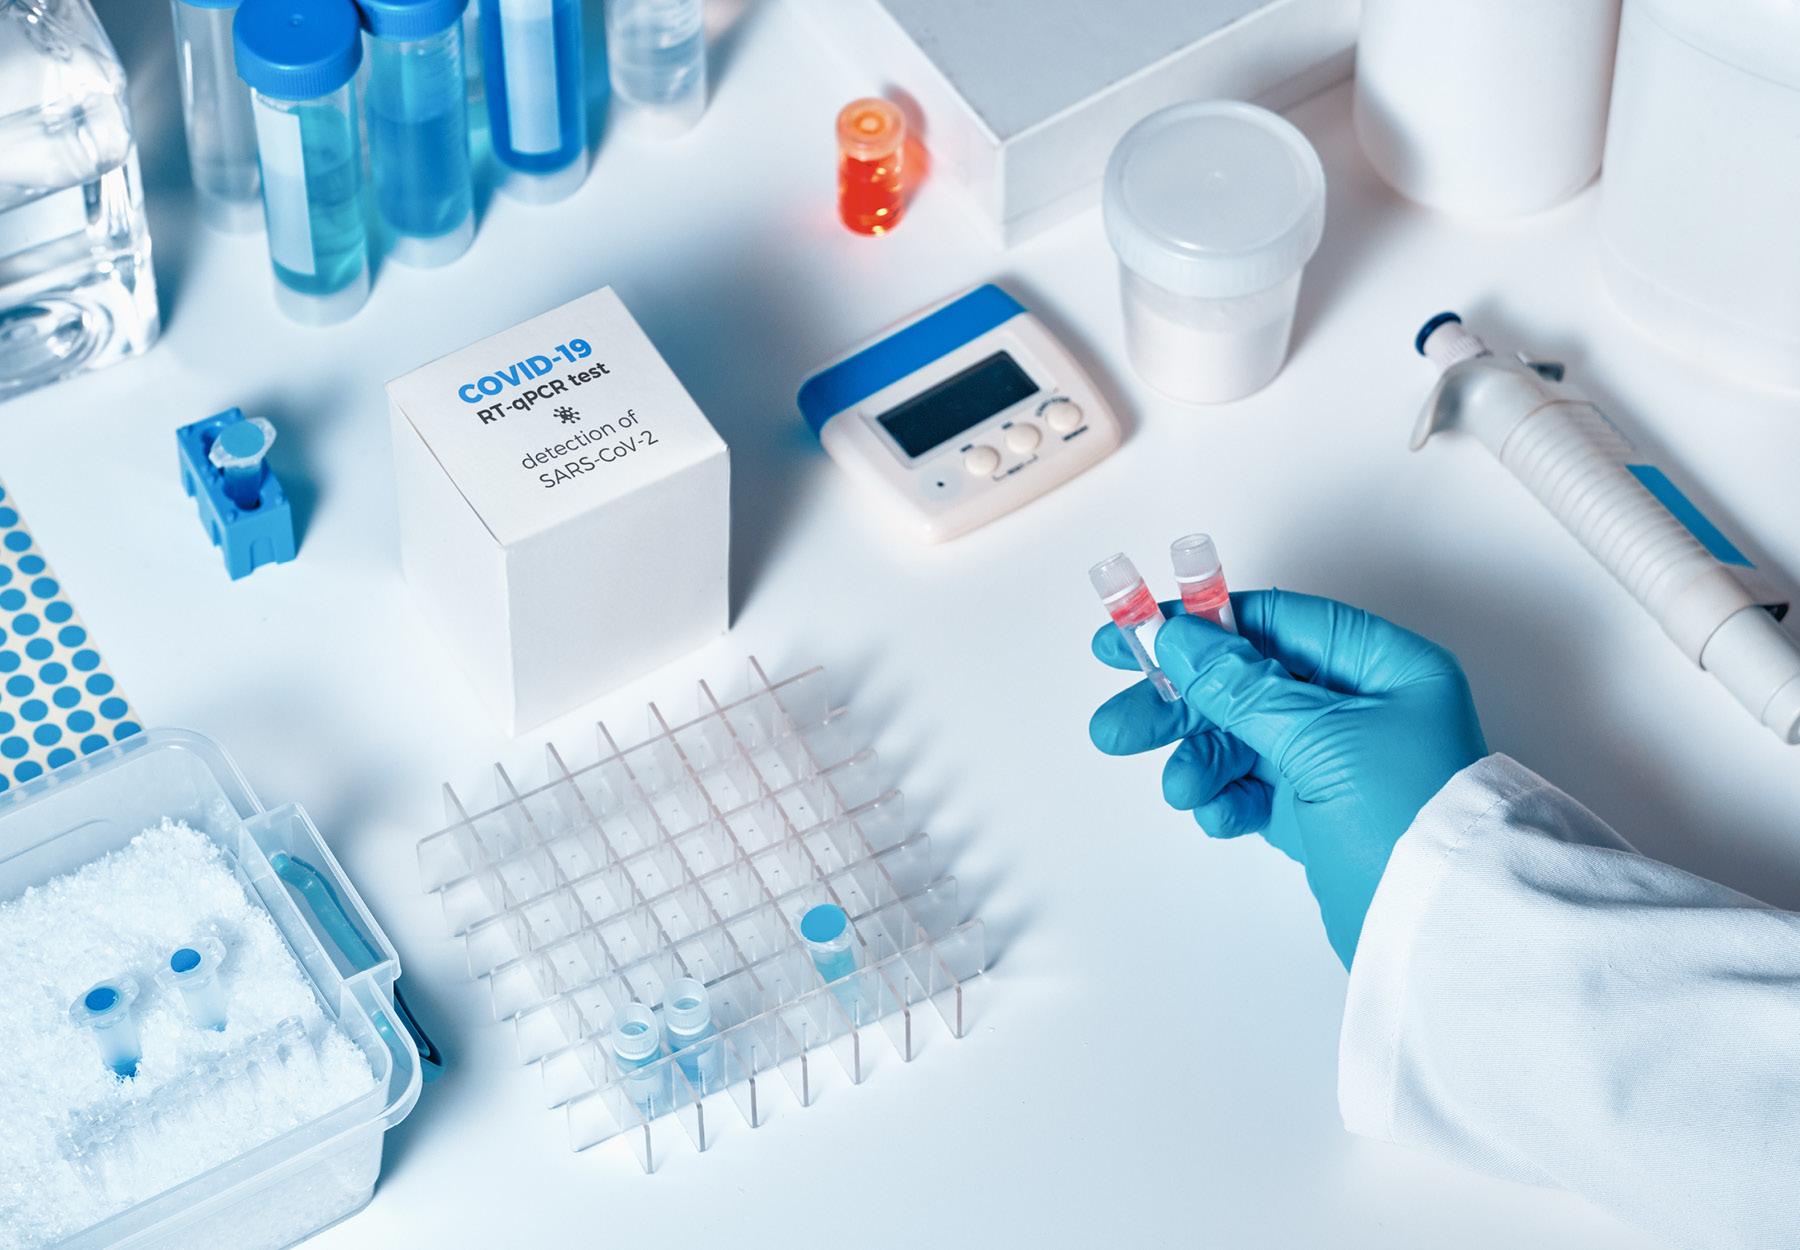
[829, 940]
[537, 107]
[300, 58]
[238, 453]
[194, 971]
[419, 128]
[105, 1011]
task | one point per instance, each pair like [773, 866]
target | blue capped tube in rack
[105, 1011]
[636, 1044]
[419, 128]
[537, 107]
[831, 942]
[687, 1014]
[300, 58]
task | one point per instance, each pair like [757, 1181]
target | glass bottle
[76, 289]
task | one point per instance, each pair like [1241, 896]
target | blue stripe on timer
[57, 701]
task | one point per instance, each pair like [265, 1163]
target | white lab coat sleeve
[1533, 998]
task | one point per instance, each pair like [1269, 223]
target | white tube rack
[695, 854]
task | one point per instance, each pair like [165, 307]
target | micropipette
[1624, 510]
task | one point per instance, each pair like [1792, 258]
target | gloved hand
[1322, 727]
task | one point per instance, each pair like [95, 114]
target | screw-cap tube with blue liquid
[687, 1015]
[537, 107]
[105, 1011]
[419, 127]
[300, 58]
[656, 52]
[636, 1043]
[829, 940]
[215, 105]
[194, 970]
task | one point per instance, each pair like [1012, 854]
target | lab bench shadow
[742, 361]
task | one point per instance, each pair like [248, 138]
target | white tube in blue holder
[419, 127]
[537, 107]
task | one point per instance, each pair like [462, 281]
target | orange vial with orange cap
[871, 146]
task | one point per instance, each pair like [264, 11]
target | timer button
[1062, 415]
[981, 460]
[1023, 438]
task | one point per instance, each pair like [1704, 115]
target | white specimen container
[1213, 207]
[1700, 206]
[1485, 108]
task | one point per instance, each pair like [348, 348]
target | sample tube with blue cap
[419, 127]
[194, 971]
[832, 944]
[105, 1011]
[656, 51]
[636, 1044]
[300, 58]
[239, 453]
[537, 107]
[687, 1014]
[215, 105]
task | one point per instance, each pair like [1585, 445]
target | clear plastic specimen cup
[1213, 208]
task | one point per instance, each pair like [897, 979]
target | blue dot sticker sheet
[57, 700]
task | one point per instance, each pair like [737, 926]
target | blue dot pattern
[57, 701]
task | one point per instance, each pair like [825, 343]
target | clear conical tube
[1202, 580]
[1135, 611]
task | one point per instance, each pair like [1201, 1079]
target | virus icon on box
[566, 414]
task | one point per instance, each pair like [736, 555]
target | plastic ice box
[311, 1176]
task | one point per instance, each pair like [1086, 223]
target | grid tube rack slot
[695, 853]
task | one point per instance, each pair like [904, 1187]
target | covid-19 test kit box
[565, 512]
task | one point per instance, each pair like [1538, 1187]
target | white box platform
[565, 512]
[1023, 100]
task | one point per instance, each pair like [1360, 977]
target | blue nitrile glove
[1324, 728]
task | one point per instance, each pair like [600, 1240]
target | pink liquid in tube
[1202, 580]
[1135, 611]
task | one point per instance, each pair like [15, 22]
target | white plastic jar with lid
[1213, 208]
[1699, 218]
[1485, 108]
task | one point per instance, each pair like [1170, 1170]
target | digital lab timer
[960, 413]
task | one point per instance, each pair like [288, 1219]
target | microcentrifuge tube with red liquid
[871, 147]
[1202, 580]
[1135, 611]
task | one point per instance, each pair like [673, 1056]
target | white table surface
[1155, 1056]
